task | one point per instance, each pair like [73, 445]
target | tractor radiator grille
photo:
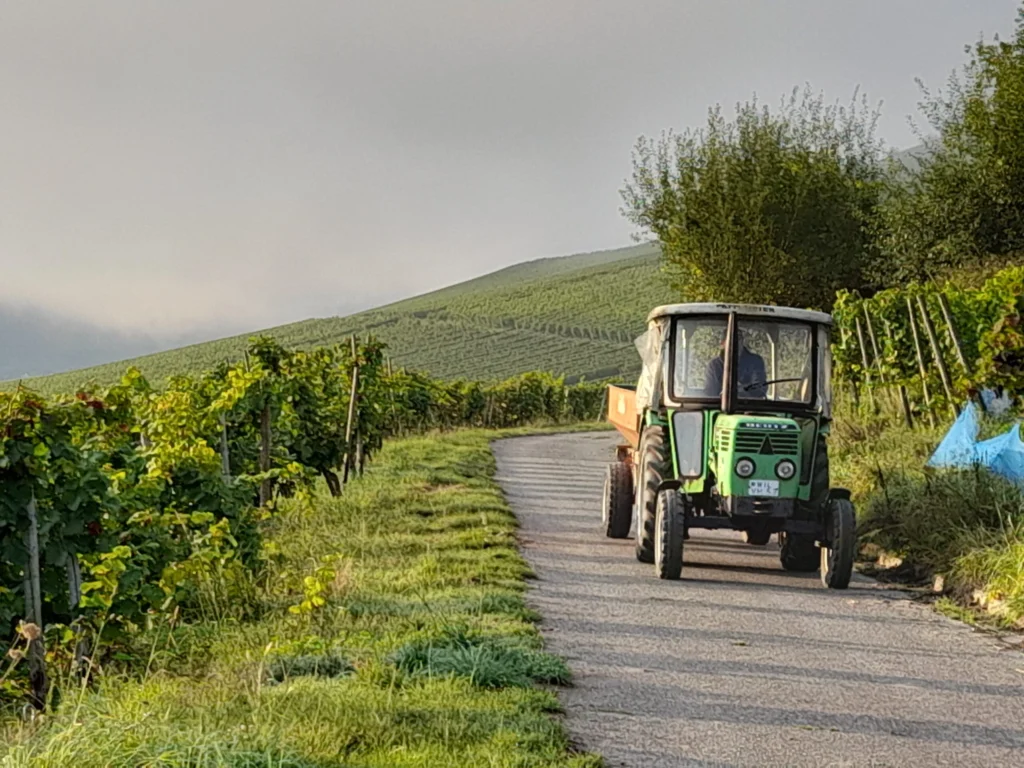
[762, 442]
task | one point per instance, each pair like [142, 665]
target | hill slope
[575, 315]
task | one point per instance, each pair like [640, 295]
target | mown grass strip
[393, 633]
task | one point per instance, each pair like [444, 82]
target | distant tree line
[790, 205]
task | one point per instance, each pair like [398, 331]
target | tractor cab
[727, 428]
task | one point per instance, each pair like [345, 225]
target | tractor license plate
[763, 487]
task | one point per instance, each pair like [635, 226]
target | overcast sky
[176, 166]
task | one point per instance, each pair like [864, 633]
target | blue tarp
[1003, 455]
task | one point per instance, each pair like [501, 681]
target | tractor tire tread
[837, 558]
[653, 469]
[670, 522]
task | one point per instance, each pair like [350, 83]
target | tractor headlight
[785, 469]
[745, 468]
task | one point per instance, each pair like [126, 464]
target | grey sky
[175, 166]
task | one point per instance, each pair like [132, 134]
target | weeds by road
[967, 525]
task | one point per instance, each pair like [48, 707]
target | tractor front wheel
[617, 505]
[669, 525]
[837, 557]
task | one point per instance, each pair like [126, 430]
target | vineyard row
[133, 505]
[933, 346]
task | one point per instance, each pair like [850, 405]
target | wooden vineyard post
[74, 573]
[876, 356]
[867, 366]
[854, 390]
[908, 416]
[929, 328]
[395, 421]
[34, 610]
[265, 453]
[225, 457]
[264, 440]
[352, 413]
[920, 363]
[954, 338]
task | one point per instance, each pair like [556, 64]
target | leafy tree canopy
[770, 207]
[966, 203]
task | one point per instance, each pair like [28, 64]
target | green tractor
[727, 428]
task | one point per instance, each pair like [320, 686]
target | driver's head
[743, 336]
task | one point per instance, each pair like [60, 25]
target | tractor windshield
[774, 360]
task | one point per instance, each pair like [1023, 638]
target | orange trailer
[622, 413]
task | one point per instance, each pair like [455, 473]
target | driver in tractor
[751, 378]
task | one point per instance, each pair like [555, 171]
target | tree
[966, 202]
[768, 208]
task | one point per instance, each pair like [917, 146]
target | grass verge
[965, 524]
[393, 633]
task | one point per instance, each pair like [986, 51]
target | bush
[770, 208]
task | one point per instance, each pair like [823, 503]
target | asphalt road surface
[742, 663]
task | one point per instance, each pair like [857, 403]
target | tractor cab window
[774, 360]
[699, 341]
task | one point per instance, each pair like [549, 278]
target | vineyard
[575, 315]
[138, 504]
[133, 505]
[923, 350]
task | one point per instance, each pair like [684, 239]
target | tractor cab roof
[746, 310]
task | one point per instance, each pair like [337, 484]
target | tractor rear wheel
[669, 524]
[837, 557]
[798, 552]
[820, 480]
[757, 538]
[653, 466]
[617, 505]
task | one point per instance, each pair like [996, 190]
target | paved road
[741, 663]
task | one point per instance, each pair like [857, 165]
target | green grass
[577, 316]
[424, 653]
[965, 524]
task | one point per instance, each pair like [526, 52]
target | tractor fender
[673, 484]
[836, 493]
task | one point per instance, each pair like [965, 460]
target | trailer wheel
[798, 553]
[670, 522]
[617, 506]
[837, 558]
[652, 469]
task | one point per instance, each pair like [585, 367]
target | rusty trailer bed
[622, 413]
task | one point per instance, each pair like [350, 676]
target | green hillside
[575, 315]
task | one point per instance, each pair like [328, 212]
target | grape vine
[988, 331]
[149, 504]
